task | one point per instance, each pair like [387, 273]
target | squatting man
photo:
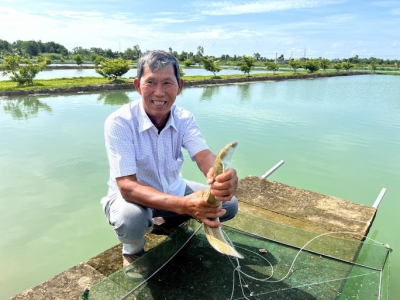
[144, 141]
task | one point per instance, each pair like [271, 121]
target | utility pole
[276, 55]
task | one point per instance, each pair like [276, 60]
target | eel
[215, 235]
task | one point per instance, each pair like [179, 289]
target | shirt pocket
[144, 163]
[175, 165]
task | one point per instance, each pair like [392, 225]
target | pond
[338, 136]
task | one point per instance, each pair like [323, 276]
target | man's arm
[193, 204]
[136, 192]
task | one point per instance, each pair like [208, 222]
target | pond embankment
[130, 86]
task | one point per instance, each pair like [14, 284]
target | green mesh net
[280, 262]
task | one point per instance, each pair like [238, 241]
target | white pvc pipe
[379, 199]
[273, 169]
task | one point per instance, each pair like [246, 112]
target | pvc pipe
[379, 199]
[273, 169]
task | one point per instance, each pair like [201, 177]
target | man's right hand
[199, 209]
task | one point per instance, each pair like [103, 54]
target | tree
[257, 56]
[312, 65]
[44, 59]
[347, 65]
[136, 48]
[112, 68]
[10, 64]
[98, 60]
[373, 67]
[325, 63]
[200, 50]
[211, 65]
[337, 67]
[21, 70]
[5, 48]
[78, 59]
[272, 66]
[181, 73]
[294, 64]
[110, 54]
[246, 65]
[188, 63]
[30, 48]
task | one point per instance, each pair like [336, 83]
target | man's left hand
[224, 186]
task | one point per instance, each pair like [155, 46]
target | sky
[295, 28]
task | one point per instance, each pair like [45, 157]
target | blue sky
[316, 28]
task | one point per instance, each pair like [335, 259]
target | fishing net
[280, 262]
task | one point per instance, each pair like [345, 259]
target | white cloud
[340, 18]
[176, 20]
[73, 29]
[212, 34]
[337, 45]
[244, 7]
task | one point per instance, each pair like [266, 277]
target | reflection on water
[25, 107]
[244, 91]
[114, 98]
[208, 92]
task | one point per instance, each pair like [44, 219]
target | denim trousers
[131, 221]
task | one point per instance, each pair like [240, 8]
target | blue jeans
[131, 221]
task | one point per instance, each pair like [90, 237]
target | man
[144, 139]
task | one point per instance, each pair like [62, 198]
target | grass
[8, 85]
[43, 84]
[198, 78]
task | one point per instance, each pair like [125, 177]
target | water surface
[338, 136]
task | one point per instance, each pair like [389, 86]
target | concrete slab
[261, 198]
[304, 208]
[66, 285]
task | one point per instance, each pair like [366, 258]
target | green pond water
[338, 136]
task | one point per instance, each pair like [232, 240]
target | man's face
[158, 90]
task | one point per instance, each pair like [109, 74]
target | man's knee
[130, 221]
[231, 209]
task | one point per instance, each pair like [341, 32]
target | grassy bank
[57, 85]
[44, 84]
[200, 78]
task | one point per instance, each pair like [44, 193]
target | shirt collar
[145, 122]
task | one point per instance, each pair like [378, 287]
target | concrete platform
[277, 202]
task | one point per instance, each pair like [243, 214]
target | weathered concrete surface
[307, 209]
[67, 285]
[110, 261]
[277, 202]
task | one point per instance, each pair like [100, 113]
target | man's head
[157, 60]
[159, 84]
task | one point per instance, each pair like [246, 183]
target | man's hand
[224, 186]
[202, 211]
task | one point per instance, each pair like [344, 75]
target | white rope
[240, 272]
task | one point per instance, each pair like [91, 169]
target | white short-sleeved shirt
[134, 146]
